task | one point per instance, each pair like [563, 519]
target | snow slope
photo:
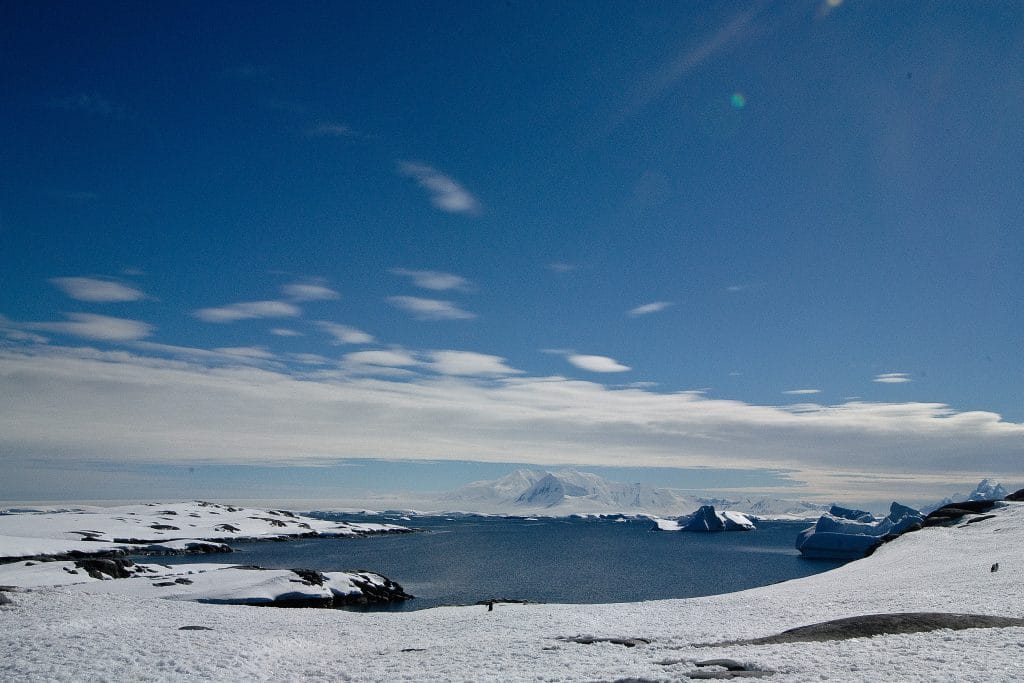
[163, 527]
[62, 634]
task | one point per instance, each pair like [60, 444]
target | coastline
[939, 569]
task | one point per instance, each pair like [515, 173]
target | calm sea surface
[462, 560]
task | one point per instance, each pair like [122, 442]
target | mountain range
[567, 491]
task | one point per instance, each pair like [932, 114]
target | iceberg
[844, 534]
[706, 518]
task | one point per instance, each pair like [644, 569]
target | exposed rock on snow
[871, 625]
[706, 518]
[158, 529]
[844, 534]
[211, 583]
[954, 512]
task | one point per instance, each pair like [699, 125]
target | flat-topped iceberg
[845, 534]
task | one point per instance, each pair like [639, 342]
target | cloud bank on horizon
[641, 247]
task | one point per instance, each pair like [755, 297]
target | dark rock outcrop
[954, 512]
[1017, 496]
[99, 568]
[882, 624]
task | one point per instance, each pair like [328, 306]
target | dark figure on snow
[995, 567]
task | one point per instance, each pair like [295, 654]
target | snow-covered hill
[567, 492]
[160, 528]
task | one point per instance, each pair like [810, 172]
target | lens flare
[738, 100]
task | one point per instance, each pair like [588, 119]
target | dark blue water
[466, 559]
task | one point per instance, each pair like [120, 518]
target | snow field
[60, 634]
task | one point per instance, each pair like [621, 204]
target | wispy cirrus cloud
[253, 352]
[433, 279]
[596, 363]
[647, 309]
[801, 392]
[445, 193]
[344, 334]
[96, 290]
[247, 310]
[285, 332]
[892, 378]
[430, 309]
[690, 58]
[389, 358]
[309, 291]
[97, 327]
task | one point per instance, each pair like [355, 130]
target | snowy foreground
[60, 634]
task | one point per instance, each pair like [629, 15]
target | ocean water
[462, 560]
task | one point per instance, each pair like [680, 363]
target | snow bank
[71, 634]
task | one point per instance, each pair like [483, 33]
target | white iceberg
[844, 534]
[706, 518]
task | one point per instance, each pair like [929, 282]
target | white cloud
[230, 355]
[343, 334]
[652, 307]
[469, 363]
[430, 309]
[596, 363]
[799, 392]
[381, 363]
[445, 193]
[394, 358]
[121, 405]
[257, 352]
[98, 327]
[562, 267]
[247, 310]
[96, 290]
[892, 378]
[308, 358]
[304, 291]
[432, 279]
[285, 332]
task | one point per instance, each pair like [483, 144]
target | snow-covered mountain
[567, 491]
[985, 490]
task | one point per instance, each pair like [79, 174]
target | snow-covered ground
[64, 634]
[162, 527]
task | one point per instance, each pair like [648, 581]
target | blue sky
[751, 237]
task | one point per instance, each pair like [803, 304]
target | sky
[747, 246]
